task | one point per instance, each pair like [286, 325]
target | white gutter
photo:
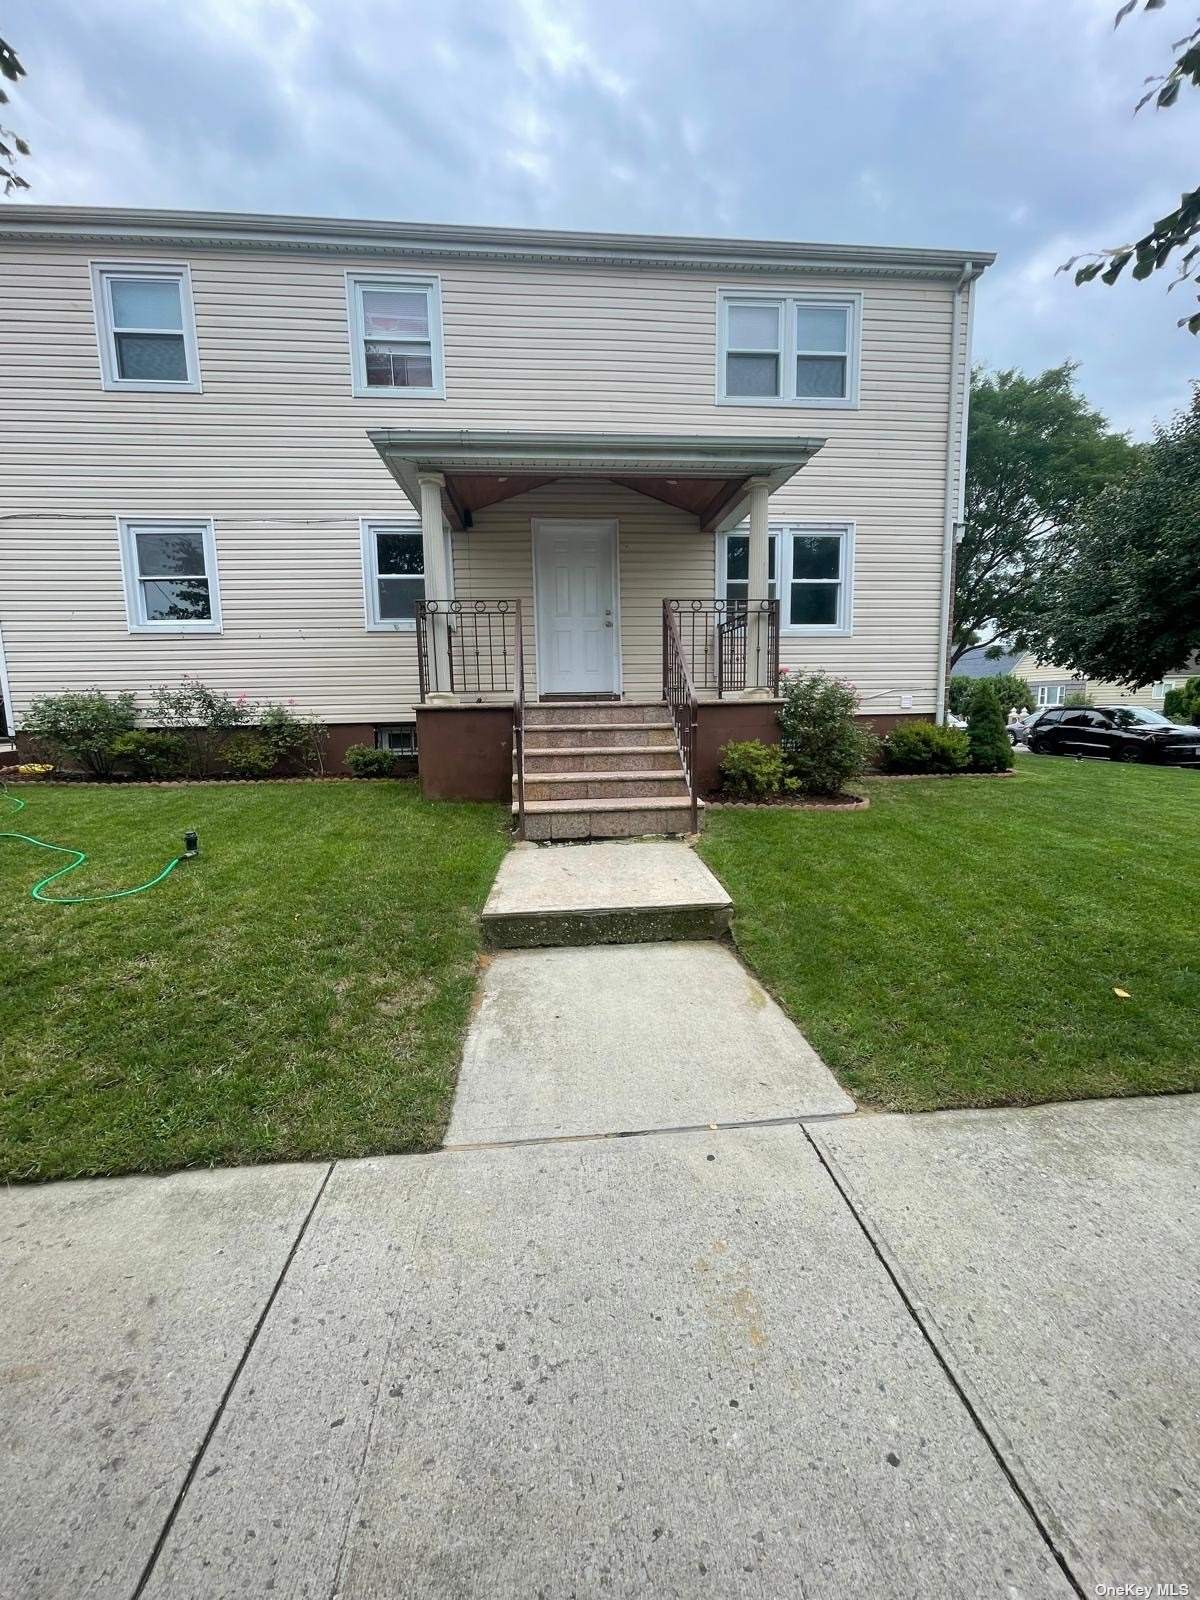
[6, 691]
[956, 467]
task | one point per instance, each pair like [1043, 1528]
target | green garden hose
[80, 858]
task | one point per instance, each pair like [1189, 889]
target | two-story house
[452, 484]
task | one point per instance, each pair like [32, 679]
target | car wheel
[1125, 752]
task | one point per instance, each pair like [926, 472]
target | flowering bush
[823, 745]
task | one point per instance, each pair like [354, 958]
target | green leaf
[1144, 268]
[1168, 96]
[1116, 266]
[1086, 274]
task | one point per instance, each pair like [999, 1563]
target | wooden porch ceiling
[704, 475]
[703, 497]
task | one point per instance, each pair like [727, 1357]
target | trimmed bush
[986, 734]
[823, 746]
[925, 747]
[1077, 698]
[752, 770]
[85, 725]
[148, 754]
[365, 761]
[247, 755]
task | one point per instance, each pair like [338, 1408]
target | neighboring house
[977, 664]
[1051, 686]
[331, 462]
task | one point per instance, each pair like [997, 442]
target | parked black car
[1122, 733]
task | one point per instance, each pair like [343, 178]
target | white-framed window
[1053, 694]
[733, 571]
[797, 349]
[811, 567]
[400, 740]
[393, 574]
[146, 326]
[1159, 691]
[396, 335]
[170, 572]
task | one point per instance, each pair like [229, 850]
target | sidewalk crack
[972, 1410]
[198, 1457]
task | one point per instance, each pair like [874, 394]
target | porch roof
[708, 475]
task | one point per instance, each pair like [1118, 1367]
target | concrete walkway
[952, 1355]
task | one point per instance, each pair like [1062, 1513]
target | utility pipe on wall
[956, 467]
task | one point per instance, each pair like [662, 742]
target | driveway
[952, 1355]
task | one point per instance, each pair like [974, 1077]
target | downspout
[8, 717]
[956, 468]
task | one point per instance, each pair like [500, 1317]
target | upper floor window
[811, 570]
[146, 327]
[170, 573]
[396, 335]
[793, 350]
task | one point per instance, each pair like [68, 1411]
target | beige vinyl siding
[275, 451]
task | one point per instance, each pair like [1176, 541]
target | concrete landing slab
[627, 1037]
[125, 1306]
[1055, 1253]
[666, 1366]
[608, 892]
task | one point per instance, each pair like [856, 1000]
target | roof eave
[339, 236]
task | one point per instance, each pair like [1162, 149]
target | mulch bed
[908, 777]
[792, 802]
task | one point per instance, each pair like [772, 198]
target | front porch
[571, 584]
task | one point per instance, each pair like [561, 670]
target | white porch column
[437, 579]
[758, 632]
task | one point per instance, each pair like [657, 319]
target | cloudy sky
[985, 124]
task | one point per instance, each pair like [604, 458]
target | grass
[299, 991]
[959, 943]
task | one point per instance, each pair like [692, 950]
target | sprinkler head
[191, 843]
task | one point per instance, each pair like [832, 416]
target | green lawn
[301, 990]
[959, 943]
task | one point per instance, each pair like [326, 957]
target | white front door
[574, 580]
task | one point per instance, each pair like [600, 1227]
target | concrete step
[668, 783]
[613, 892]
[607, 819]
[602, 758]
[575, 712]
[560, 735]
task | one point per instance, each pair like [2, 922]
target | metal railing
[468, 647]
[679, 692]
[730, 645]
[519, 725]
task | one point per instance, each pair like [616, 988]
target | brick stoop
[602, 770]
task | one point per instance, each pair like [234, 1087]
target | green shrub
[247, 755]
[84, 724]
[823, 745]
[925, 747]
[365, 761]
[203, 716]
[1183, 705]
[1012, 692]
[293, 741]
[152, 755]
[986, 735]
[1077, 698]
[752, 770]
